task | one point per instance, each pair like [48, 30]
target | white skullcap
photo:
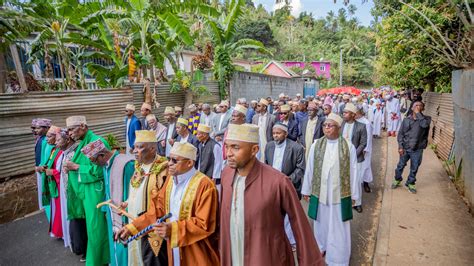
[335, 118]
[186, 150]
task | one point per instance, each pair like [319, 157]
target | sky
[320, 8]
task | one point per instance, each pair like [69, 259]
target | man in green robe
[86, 189]
[118, 170]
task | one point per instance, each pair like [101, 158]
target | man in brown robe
[191, 198]
[255, 200]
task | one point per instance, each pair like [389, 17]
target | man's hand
[306, 198]
[171, 141]
[163, 230]
[123, 233]
[123, 205]
[39, 169]
[70, 166]
[401, 152]
[49, 172]
[163, 143]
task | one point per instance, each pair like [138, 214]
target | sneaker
[83, 258]
[411, 188]
[396, 184]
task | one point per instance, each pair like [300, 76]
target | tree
[256, 30]
[223, 32]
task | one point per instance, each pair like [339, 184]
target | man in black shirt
[412, 140]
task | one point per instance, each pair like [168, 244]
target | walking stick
[145, 231]
[116, 209]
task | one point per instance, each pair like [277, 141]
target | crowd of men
[231, 178]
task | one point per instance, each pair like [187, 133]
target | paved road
[27, 243]
[364, 225]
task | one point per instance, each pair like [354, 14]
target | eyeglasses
[175, 161]
[329, 125]
[284, 113]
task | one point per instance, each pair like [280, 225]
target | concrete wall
[254, 85]
[463, 98]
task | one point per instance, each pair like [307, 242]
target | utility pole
[340, 68]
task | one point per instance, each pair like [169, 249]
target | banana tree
[223, 32]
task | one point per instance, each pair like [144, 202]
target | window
[322, 68]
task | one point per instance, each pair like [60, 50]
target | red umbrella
[323, 91]
[350, 90]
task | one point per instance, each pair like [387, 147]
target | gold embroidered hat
[240, 108]
[169, 110]
[182, 121]
[204, 128]
[92, 149]
[335, 118]
[244, 132]
[76, 120]
[178, 109]
[130, 107]
[145, 136]
[263, 101]
[281, 126]
[186, 150]
[285, 108]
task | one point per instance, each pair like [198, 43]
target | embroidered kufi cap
[240, 108]
[253, 101]
[346, 97]
[263, 101]
[43, 122]
[285, 108]
[92, 149]
[298, 95]
[146, 106]
[244, 132]
[281, 95]
[34, 122]
[192, 107]
[130, 107]
[204, 128]
[335, 118]
[76, 120]
[145, 136]
[54, 129]
[183, 121]
[350, 107]
[151, 117]
[178, 109]
[186, 150]
[169, 110]
[281, 126]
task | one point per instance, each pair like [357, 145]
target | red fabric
[56, 225]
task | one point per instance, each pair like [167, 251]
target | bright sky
[320, 8]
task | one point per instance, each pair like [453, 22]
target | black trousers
[78, 234]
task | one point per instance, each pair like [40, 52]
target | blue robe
[134, 126]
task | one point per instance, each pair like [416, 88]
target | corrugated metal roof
[102, 108]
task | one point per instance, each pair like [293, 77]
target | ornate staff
[145, 231]
[116, 209]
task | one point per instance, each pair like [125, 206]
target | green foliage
[112, 140]
[182, 81]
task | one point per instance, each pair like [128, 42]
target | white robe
[366, 173]
[331, 233]
[393, 108]
[377, 121]
[135, 207]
